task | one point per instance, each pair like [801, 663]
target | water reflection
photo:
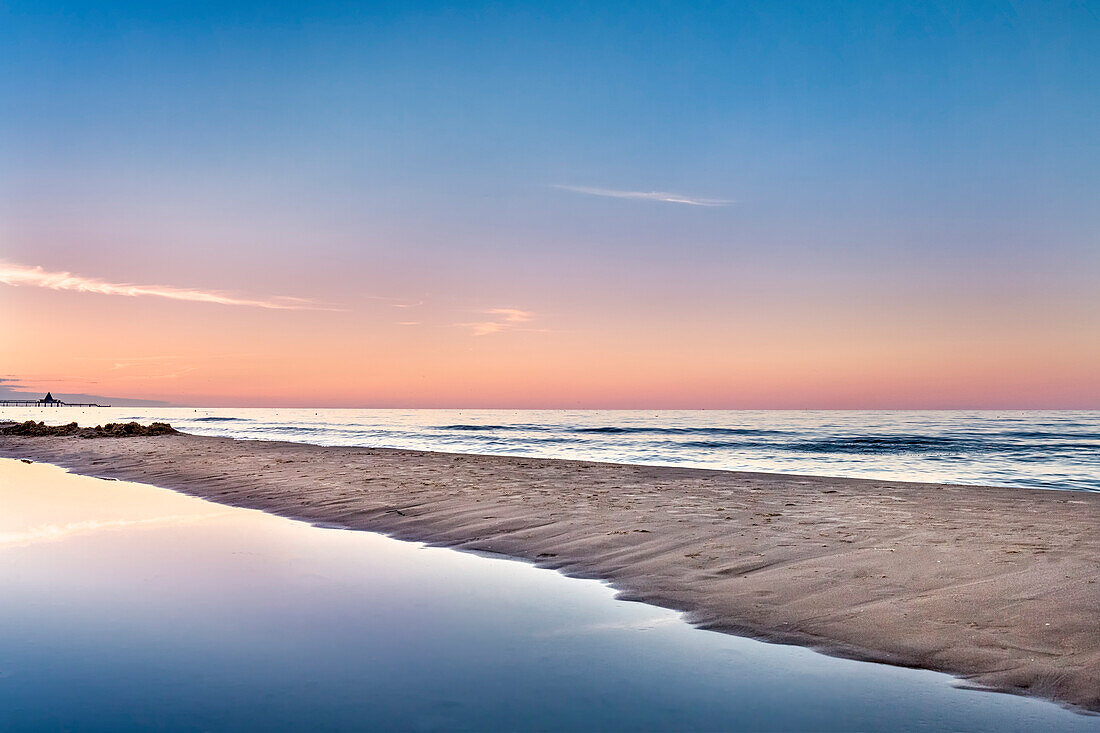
[127, 607]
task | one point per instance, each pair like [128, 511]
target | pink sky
[798, 346]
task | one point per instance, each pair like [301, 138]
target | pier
[47, 401]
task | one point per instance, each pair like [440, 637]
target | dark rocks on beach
[128, 429]
[31, 428]
[37, 429]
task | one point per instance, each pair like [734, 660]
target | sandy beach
[996, 585]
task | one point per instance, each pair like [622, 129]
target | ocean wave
[657, 430]
[612, 429]
[873, 444]
[1049, 435]
[1040, 450]
[250, 430]
[721, 444]
[473, 428]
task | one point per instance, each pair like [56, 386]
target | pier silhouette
[47, 401]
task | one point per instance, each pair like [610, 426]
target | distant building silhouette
[49, 400]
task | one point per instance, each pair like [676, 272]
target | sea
[1030, 449]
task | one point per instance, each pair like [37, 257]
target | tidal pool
[124, 606]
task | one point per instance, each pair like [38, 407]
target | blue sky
[458, 150]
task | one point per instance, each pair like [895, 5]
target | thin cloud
[16, 275]
[506, 319]
[511, 315]
[484, 328]
[662, 196]
[160, 375]
[396, 302]
[163, 358]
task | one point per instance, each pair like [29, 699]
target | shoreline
[998, 586]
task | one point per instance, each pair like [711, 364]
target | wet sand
[999, 586]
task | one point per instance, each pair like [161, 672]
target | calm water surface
[129, 607]
[1050, 450]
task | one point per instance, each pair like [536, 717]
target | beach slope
[999, 586]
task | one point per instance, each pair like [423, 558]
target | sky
[632, 205]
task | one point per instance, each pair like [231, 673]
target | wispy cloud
[662, 196]
[511, 315]
[484, 328]
[396, 302]
[504, 319]
[144, 376]
[13, 274]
